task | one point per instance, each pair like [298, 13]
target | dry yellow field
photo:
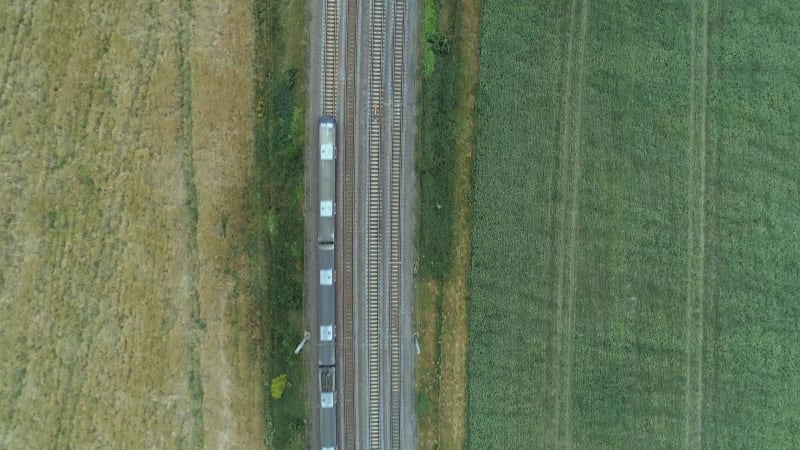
[126, 137]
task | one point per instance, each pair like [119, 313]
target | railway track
[382, 297]
[330, 58]
[330, 108]
[395, 176]
[374, 210]
[349, 161]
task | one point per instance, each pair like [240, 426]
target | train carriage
[326, 310]
[327, 179]
[327, 306]
[327, 411]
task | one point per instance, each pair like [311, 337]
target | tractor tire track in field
[711, 317]
[566, 228]
[696, 200]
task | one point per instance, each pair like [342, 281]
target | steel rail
[330, 51]
[394, 224]
[348, 236]
[374, 208]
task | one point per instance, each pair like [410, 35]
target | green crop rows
[635, 244]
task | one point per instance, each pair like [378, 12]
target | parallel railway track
[349, 162]
[374, 210]
[344, 239]
[382, 424]
[395, 176]
[330, 58]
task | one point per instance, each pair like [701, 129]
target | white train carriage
[327, 306]
[327, 179]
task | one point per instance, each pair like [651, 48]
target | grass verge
[449, 72]
[277, 193]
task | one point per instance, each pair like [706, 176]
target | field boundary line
[696, 200]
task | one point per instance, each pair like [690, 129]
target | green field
[634, 242]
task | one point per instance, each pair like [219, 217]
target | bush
[439, 43]
[278, 385]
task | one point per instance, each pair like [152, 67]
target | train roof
[327, 138]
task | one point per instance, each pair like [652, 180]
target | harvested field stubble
[125, 149]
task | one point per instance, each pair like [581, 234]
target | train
[327, 411]
[326, 260]
[327, 305]
[327, 180]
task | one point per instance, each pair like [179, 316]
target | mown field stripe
[695, 296]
